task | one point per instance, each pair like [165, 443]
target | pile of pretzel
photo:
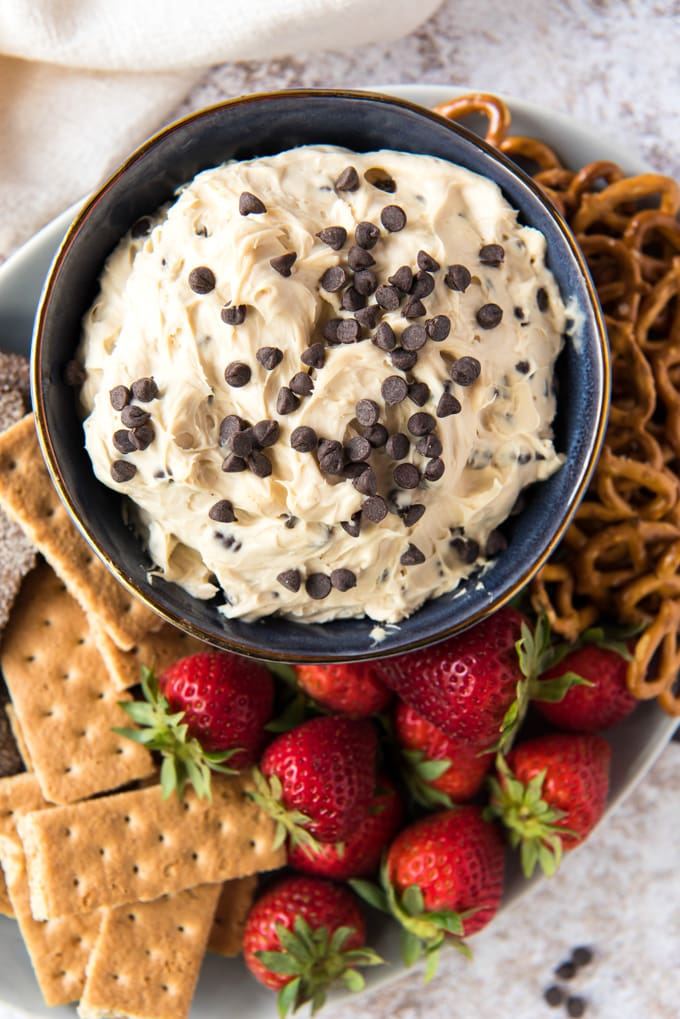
[620, 558]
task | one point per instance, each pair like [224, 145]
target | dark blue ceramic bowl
[262, 125]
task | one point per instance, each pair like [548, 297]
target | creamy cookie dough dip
[323, 379]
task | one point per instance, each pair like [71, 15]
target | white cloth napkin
[83, 81]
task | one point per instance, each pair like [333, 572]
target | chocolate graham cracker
[147, 958]
[136, 846]
[30, 499]
[62, 696]
[233, 906]
[155, 650]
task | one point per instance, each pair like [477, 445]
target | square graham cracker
[30, 499]
[18, 736]
[147, 959]
[135, 846]
[233, 906]
[18, 793]
[62, 696]
[156, 650]
[58, 949]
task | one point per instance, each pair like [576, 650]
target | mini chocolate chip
[365, 281]
[393, 218]
[318, 586]
[374, 508]
[222, 512]
[581, 956]
[492, 254]
[414, 308]
[269, 357]
[358, 258]
[73, 374]
[467, 549]
[457, 277]
[448, 404]
[495, 543]
[524, 458]
[352, 300]
[237, 374]
[314, 356]
[423, 284]
[233, 315]
[259, 464]
[330, 329]
[542, 299]
[334, 279]
[141, 228]
[358, 448]
[397, 446]
[283, 263]
[427, 262]
[286, 401]
[412, 514]
[145, 390]
[303, 439]
[465, 370]
[266, 432]
[522, 367]
[376, 435]
[414, 337]
[489, 315]
[122, 440]
[388, 297]
[367, 412]
[202, 280]
[290, 521]
[429, 445]
[133, 416]
[229, 425]
[406, 475]
[250, 204]
[438, 328]
[333, 236]
[419, 393]
[122, 470]
[381, 180]
[143, 436]
[331, 456]
[394, 390]
[404, 360]
[301, 384]
[384, 337]
[402, 279]
[366, 235]
[366, 482]
[119, 397]
[353, 526]
[553, 995]
[576, 1007]
[343, 580]
[232, 464]
[241, 443]
[434, 469]
[348, 330]
[421, 423]
[518, 312]
[566, 970]
[369, 316]
[412, 556]
[348, 180]
[290, 579]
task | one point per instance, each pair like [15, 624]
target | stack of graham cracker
[117, 892]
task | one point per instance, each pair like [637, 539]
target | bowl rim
[52, 461]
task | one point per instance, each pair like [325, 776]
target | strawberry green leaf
[168, 777]
[447, 920]
[291, 824]
[370, 893]
[412, 901]
[287, 997]
[354, 980]
[411, 947]
[431, 962]
[279, 962]
[553, 690]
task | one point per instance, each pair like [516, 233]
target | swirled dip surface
[332, 425]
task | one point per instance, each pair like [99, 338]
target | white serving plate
[636, 743]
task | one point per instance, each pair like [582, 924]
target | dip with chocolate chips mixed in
[323, 379]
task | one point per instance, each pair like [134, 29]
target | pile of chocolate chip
[138, 432]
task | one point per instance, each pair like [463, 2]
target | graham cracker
[233, 906]
[18, 794]
[18, 736]
[157, 650]
[146, 961]
[62, 696]
[135, 846]
[30, 499]
[59, 949]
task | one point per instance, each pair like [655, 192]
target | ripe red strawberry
[438, 769]
[596, 707]
[301, 936]
[350, 689]
[550, 794]
[321, 777]
[360, 854]
[205, 709]
[443, 875]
